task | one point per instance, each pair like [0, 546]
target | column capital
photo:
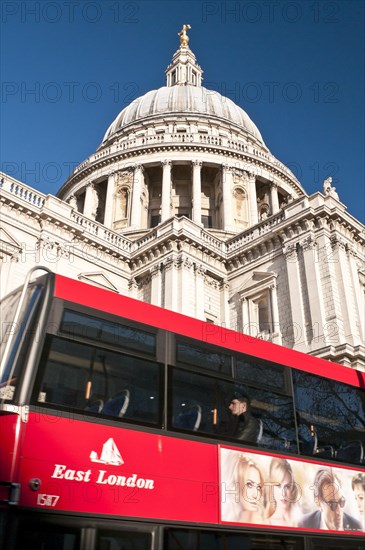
[290, 252]
[199, 270]
[308, 244]
[197, 163]
[166, 163]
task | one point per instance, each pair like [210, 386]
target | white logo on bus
[109, 455]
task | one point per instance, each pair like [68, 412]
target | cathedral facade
[183, 206]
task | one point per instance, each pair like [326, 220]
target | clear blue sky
[296, 67]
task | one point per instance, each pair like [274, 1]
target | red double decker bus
[119, 431]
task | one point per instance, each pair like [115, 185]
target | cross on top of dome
[184, 68]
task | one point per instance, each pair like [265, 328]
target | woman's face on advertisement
[251, 492]
[359, 495]
[282, 491]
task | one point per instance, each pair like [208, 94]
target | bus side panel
[93, 468]
[10, 430]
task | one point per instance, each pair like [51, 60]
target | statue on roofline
[328, 189]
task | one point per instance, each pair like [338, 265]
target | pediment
[8, 241]
[97, 279]
[257, 281]
[262, 275]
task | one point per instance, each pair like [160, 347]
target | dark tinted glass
[78, 324]
[55, 537]
[100, 381]
[189, 539]
[203, 358]
[331, 417]
[277, 414]
[122, 540]
[21, 336]
[251, 370]
[197, 396]
[335, 543]
[201, 404]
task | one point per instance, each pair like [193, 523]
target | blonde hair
[281, 466]
[241, 471]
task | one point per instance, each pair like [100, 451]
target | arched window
[260, 307]
[121, 204]
[240, 207]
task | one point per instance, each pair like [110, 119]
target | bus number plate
[47, 500]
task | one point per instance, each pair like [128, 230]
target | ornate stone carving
[72, 201]
[308, 244]
[124, 178]
[290, 252]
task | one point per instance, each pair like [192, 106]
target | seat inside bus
[117, 405]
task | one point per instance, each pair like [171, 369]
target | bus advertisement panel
[122, 472]
[280, 492]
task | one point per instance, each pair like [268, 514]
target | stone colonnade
[230, 178]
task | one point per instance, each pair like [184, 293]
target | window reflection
[96, 380]
[195, 394]
[86, 326]
[330, 416]
[203, 358]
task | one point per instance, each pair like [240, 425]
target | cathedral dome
[178, 99]
[181, 151]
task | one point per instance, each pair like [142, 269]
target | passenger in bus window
[330, 501]
[246, 426]
[282, 494]
[358, 487]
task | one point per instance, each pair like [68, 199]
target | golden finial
[184, 39]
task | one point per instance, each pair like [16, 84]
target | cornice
[293, 225]
[276, 169]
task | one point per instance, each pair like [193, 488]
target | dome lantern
[184, 69]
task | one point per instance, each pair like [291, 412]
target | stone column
[186, 287]
[295, 293]
[133, 288]
[171, 284]
[199, 292]
[108, 214]
[355, 267]
[91, 201]
[315, 297]
[224, 300]
[274, 198]
[156, 285]
[227, 188]
[166, 190]
[334, 327]
[136, 210]
[254, 217]
[197, 192]
[347, 293]
[276, 332]
[245, 314]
